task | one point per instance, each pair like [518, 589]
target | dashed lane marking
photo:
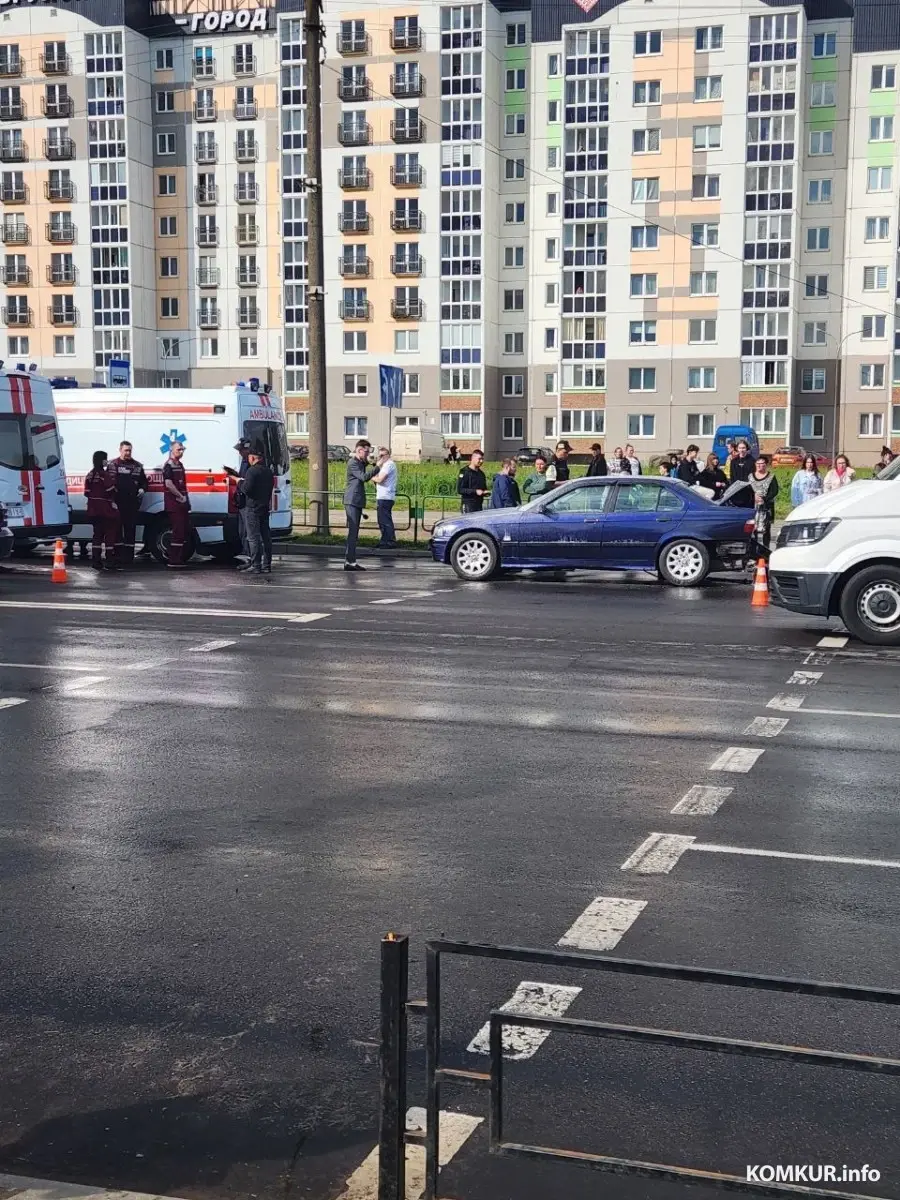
[149, 665]
[657, 854]
[12, 701]
[398, 600]
[805, 678]
[19, 1187]
[702, 801]
[208, 647]
[849, 860]
[80, 685]
[533, 1000]
[784, 702]
[736, 758]
[833, 643]
[768, 727]
[816, 659]
[164, 610]
[603, 923]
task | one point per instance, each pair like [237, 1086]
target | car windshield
[891, 471]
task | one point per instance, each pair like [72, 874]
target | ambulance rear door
[32, 475]
[262, 421]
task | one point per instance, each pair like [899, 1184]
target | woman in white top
[840, 474]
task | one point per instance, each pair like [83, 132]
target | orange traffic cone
[760, 597]
[59, 573]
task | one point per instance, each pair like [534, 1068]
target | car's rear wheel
[870, 605]
[684, 563]
[474, 557]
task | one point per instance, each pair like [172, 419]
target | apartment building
[627, 221]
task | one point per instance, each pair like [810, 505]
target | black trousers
[354, 516]
[259, 538]
[128, 514]
[242, 532]
[385, 510]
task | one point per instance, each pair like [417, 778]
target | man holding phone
[243, 449]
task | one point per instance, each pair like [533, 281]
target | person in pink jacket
[840, 474]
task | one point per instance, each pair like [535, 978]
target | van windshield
[271, 435]
[29, 443]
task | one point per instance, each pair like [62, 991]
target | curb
[291, 548]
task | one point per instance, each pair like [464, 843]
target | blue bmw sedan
[614, 524]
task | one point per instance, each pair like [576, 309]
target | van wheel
[158, 539]
[684, 563]
[870, 605]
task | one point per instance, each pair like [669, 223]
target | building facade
[615, 221]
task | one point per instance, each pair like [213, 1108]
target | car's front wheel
[474, 557]
[684, 563]
[870, 605]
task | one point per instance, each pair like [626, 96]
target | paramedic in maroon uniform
[178, 506]
[100, 490]
[131, 483]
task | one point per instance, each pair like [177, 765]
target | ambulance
[32, 476]
[208, 422]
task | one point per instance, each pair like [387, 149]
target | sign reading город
[215, 16]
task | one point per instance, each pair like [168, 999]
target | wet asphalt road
[216, 797]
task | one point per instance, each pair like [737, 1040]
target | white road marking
[23, 1188]
[766, 726]
[737, 759]
[702, 801]
[302, 618]
[829, 858]
[815, 659]
[850, 712]
[164, 610]
[833, 643]
[398, 600]
[805, 678]
[603, 923]
[78, 685]
[149, 665]
[658, 854]
[784, 702]
[208, 647]
[533, 999]
[12, 701]
[455, 1130]
[46, 666]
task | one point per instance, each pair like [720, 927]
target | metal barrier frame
[396, 1008]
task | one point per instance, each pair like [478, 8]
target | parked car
[299, 452]
[793, 456]
[616, 524]
[838, 555]
[6, 535]
[527, 454]
[338, 454]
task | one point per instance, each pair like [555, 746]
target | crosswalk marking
[12, 701]
[833, 643]
[21, 1187]
[533, 999]
[768, 727]
[702, 801]
[603, 923]
[805, 678]
[208, 647]
[737, 759]
[785, 702]
[454, 1128]
[657, 854]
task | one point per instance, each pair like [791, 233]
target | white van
[32, 475]
[209, 421]
[417, 445]
[839, 556]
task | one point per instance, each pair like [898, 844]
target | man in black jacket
[741, 466]
[687, 470]
[131, 484]
[358, 475]
[471, 484]
[597, 465]
[256, 488]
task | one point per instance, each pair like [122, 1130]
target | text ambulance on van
[32, 476]
[209, 422]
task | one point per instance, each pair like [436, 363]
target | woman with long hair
[840, 474]
[807, 483]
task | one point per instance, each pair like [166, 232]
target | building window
[165, 143]
[550, 333]
[815, 333]
[878, 229]
[553, 62]
[165, 60]
[297, 423]
[552, 112]
[644, 284]
[643, 190]
[883, 78]
[356, 427]
[17, 345]
[512, 429]
[514, 343]
[356, 385]
[705, 234]
[704, 283]
[578, 376]
[168, 226]
[812, 379]
[406, 422]
[871, 375]
[649, 42]
[701, 424]
[165, 102]
[881, 129]
[514, 168]
[514, 124]
[514, 256]
[553, 158]
[641, 425]
[166, 185]
[871, 424]
[513, 299]
[701, 379]
[467, 424]
[818, 191]
[647, 91]
[515, 214]
[642, 379]
[874, 327]
[411, 383]
[171, 347]
[171, 381]
[516, 80]
[645, 237]
[550, 383]
[824, 45]
[879, 179]
[552, 204]
[765, 420]
[168, 307]
[764, 372]
[355, 341]
[702, 330]
[645, 141]
[551, 249]
[705, 187]
[513, 385]
[515, 34]
[707, 87]
[583, 420]
[821, 95]
[875, 279]
[461, 379]
[209, 347]
[549, 427]
[168, 267]
[248, 347]
[64, 346]
[406, 341]
[818, 237]
[816, 287]
[708, 37]
[642, 333]
[821, 141]
[812, 426]
[551, 293]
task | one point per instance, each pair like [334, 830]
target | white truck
[209, 422]
[417, 445]
[32, 476]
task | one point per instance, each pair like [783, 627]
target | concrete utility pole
[315, 268]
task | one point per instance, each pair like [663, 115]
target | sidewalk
[23, 1188]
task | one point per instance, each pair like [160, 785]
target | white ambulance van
[209, 422]
[32, 475]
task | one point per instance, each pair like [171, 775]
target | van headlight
[804, 533]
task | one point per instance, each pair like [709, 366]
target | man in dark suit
[358, 475]
[256, 488]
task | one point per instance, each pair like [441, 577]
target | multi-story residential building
[615, 221]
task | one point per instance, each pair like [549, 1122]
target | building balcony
[13, 152]
[353, 180]
[59, 150]
[56, 64]
[206, 112]
[404, 132]
[405, 177]
[15, 235]
[248, 318]
[355, 268]
[12, 193]
[355, 91]
[11, 67]
[206, 195]
[62, 316]
[407, 87]
[361, 311]
[58, 110]
[353, 43]
[407, 266]
[13, 110]
[248, 277]
[361, 224]
[61, 192]
[246, 193]
[205, 69]
[245, 152]
[247, 235]
[246, 110]
[206, 154]
[208, 318]
[244, 66]
[411, 40]
[207, 237]
[406, 310]
[207, 277]
[63, 274]
[354, 135]
[15, 276]
[22, 318]
[62, 234]
[406, 222]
